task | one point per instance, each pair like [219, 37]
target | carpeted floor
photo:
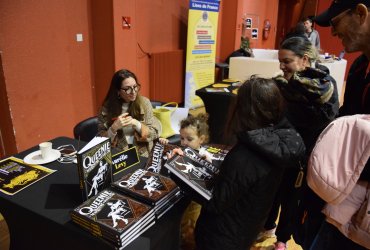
[269, 244]
[4, 234]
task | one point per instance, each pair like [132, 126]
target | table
[217, 105]
[38, 216]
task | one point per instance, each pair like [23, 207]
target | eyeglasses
[130, 90]
[335, 20]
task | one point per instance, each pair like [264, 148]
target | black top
[245, 190]
[310, 118]
[357, 96]
[357, 93]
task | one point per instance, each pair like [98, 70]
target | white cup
[45, 148]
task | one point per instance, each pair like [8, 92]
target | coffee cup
[46, 149]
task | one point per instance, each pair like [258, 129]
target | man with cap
[350, 22]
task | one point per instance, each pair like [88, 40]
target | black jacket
[357, 93]
[245, 190]
[308, 116]
[357, 96]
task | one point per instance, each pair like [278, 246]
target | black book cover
[16, 175]
[112, 215]
[168, 204]
[158, 157]
[194, 171]
[146, 186]
[94, 163]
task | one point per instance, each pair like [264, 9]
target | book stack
[158, 157]
[115, 217]
[94, 163]
[194, 171]
[151, 188]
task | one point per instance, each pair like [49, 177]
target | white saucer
[35, 157]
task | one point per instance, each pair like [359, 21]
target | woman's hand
[124, 120]
[163, 141]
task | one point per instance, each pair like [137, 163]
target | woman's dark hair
[259, 104]
[300, 46]
[297, 31]
[299, 28]
[113, 102]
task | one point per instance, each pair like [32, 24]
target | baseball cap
[337, 7]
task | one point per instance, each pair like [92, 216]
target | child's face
[190, 138]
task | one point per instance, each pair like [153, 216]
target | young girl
[251, 172]
[126, 117]
[194, 132]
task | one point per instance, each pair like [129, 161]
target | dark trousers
[287, 197]
[330, 238]
[309, 219]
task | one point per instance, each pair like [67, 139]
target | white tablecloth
[266, 64]
[337, 71]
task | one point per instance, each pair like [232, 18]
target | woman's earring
[118, 96]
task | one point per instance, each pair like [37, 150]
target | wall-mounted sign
[126, 22]
[254, 33]
[248, 23]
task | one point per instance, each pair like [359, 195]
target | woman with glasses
[126, 117]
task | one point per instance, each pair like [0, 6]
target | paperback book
[94, 163]
[114, 217]
[194, 171]
[15, 175]
[150, 188]
[158, 157]
[146, 186]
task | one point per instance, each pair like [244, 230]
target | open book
[194, 171]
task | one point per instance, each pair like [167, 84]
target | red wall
[231, 14]
[260, 11]
[51, 81]
[156, 26]
[226, 29]
[47, 72]
[116, 47]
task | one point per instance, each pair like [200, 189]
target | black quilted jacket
[245, 190]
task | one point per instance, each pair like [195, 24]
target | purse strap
[171, 103]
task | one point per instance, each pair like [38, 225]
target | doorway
[290, 13]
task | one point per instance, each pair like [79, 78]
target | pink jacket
[334, 168]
